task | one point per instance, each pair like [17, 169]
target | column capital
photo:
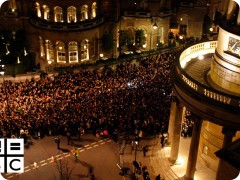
[229, 132]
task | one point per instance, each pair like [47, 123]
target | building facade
[62, 33]
[206, 82]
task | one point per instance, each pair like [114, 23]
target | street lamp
[153, 27]
[136, 146]
[2, 69]
[135, 163]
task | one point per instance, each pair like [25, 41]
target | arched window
[38, 9]
[84, 12]
[61, 54]
[49, 51]
[94, 10]
[73, 52]
[46, 11]
[72, 16]
[42, 51]
[84, 50]
[58, 14]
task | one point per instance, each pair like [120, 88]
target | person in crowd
[132, 98]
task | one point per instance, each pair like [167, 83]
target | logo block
[11, 155]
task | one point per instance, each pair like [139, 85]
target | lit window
[84, 13]
[73, 52]
[61, 55]
[46, 12]
[72, 16]
[94, 10]
[58, 14]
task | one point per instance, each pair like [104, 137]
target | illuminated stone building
[207, 83]
[70, 32]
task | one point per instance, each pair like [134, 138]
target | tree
[124, 38]
[64, 169]
[140, 37]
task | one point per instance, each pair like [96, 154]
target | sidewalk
[157, 162]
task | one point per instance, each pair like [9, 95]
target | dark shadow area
[75, 144]
[64, 150]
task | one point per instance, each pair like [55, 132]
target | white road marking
[59, 156]
[43, 164]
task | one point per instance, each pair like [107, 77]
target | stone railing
[196, 87]
[197, 50]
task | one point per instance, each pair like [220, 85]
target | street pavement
[105, 158]
[42, 160]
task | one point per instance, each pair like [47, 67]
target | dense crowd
[129, 97]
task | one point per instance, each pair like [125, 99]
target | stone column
[225, 170]
[176, 133]
[238, 18]
[225, 7]
[230, 10]
[193, 151]
[172, 119]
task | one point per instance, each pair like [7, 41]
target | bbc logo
[11, 156]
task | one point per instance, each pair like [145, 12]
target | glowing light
[200, 57]
[7, 49]
[181, 19]
[180, 37]
[179, 161]
[155, 26]
[144, 45]
[25, 52]
[101, 55]
[18, 61]
[211, 29]
[49, 62]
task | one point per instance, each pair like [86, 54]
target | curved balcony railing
[57, 26]
[196, 87]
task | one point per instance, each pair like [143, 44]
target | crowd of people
[129, 97]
